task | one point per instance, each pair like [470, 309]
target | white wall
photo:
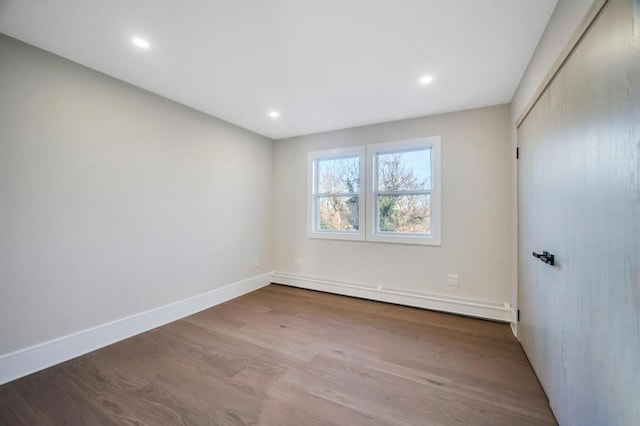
[114, 200]
[477, 227]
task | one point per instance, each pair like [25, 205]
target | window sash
[416, 148]
[317, 198]
[316, 170]
[337, 194]
[375, 192]
[407, 192]
[370, 195]
[318, 195]
[378, 219]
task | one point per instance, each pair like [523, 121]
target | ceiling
[323, 65]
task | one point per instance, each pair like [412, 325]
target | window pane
[338, 175]
[402, 171]
[404, 213]
[338, 213]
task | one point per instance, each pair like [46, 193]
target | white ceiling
[323, 65]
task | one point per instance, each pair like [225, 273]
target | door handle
[545, 256]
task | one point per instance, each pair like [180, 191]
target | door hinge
[517, 153]
[518, 315]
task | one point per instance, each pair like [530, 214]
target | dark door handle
[546, 257]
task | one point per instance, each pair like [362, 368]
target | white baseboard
[497, 311]
[35, 358]
[514, 322]
[29, 360]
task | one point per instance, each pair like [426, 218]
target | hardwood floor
[286, 356]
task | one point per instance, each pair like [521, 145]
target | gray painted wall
[563, 22]
[477, 228]
[114, 200]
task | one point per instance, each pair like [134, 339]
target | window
[402, 202]
[336, 202]
[404, 191]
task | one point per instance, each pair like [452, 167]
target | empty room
[301, 212]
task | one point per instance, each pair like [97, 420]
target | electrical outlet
[257, 262]
[297, 261]
[452, 280]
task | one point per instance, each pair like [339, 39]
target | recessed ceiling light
[274, 114]
[427, 79]
[140, 42]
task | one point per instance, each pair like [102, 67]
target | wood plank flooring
[286, 356]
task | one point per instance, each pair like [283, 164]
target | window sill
[405, 239]
[377, 238]
[328, 235]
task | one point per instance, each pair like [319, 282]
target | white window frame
[372, 232]
[313, 230]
